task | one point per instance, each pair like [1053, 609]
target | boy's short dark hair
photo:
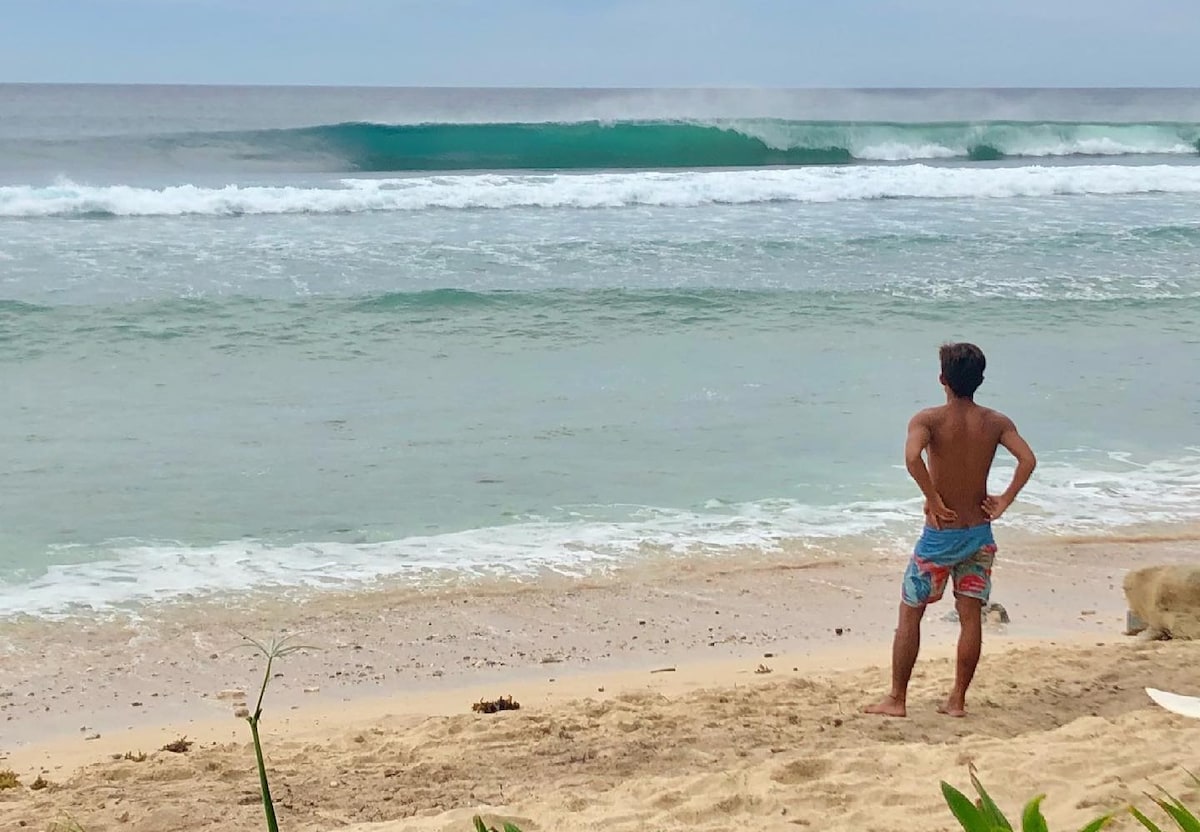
[962, 368]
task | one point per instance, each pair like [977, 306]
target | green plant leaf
[276, 649]
[1097, 824]
[1032, 819]
[479, 825]
[991, 812]
[510, 827]
[1184, 819]
[970, 818]
[1143, 820]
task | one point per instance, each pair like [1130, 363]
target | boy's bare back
[962, 438]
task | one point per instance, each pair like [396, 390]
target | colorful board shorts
[964, 556]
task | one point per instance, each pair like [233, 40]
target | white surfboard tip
[1176, 703]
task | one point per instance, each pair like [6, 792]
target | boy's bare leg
[905, 648]
[970, 643]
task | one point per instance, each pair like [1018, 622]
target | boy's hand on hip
[937, 515]
[993, 507]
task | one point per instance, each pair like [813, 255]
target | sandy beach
[694, 693]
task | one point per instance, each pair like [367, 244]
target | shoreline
[64, 677]
[39, 599]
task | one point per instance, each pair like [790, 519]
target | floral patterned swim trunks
[962, 556]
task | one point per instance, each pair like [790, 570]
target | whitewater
[607, 190]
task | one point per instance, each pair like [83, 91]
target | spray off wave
[600, 190]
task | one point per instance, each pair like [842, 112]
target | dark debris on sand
[504, 703]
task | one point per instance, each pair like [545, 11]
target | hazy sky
[605, 42]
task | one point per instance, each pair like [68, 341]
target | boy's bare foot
[889, 706]
[954, 709]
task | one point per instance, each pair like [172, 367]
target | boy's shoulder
[933, 414]
[993, 415]
[928, 414]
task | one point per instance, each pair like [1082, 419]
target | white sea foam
[602, 190]
[1063, 498]
[153, 573]
[1031, 148]
[1073, 498]
[875, 141]
[1102, 146]
[896, 151]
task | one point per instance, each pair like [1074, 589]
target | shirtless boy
[956, 545]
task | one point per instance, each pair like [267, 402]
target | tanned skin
[960, 438]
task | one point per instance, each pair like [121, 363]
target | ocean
[290, 340]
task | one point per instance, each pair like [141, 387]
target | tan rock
[1166, 599]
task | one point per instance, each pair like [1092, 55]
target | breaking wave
[599, 190]
[681, 144]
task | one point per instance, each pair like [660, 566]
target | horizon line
[599, 87]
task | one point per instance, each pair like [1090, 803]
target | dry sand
[390, 739]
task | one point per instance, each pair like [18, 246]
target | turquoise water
[227, 369]
[368, 147]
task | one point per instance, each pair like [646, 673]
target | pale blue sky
[604, 42]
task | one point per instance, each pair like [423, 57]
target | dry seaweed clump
[179, 746]
[9, 780]
[39, 784]
[504, 703]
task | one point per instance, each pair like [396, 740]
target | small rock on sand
[1133, 624]
[996, 614]
[992, 614]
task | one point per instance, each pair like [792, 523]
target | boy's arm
[918, 440]
[1016, 445]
